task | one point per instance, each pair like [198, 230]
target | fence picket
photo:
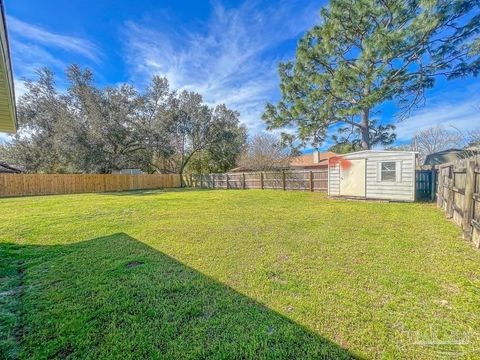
[458, 194]
[43, 184]
[468, 199]
[315, 180]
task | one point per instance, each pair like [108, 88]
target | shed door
[352, 178]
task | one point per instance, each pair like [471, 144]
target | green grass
[233, 274]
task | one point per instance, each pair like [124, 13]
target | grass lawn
[233, 274]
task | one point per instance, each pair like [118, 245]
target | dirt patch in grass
[134, 264]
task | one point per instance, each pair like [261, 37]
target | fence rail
[459, 195]
[278, 180]
[43, 184]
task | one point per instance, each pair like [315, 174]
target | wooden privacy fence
[43, 184]
[316, 180]
[459, 195]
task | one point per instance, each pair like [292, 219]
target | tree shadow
[115, 297]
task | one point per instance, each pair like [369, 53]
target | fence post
[451, 182]
[311, 181]
[433, 189]
[243, 181]
[468, 200]
[283, 181]
[440, 189]
[261, 180]
[213, 181]
[227, 181]
[201, 181]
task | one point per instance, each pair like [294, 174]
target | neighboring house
[9, 169]
[448, 156]
[313, 161]
[240, 169]
[373, 174]
[8, 116]
[128, 171]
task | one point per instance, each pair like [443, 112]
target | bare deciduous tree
[439, 138]
[434, 139]
[265, 152]
[474, 137]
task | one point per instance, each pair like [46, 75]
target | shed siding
[334, 180]
[403, 189]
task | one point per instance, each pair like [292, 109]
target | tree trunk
[182, 184]
[365, 131]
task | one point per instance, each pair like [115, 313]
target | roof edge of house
[379, 151]
[6, 59]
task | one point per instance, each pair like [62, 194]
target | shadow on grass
[115, 297]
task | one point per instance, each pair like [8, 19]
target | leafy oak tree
[222, 155]
[44, 117]
[367, 52]
[192, 128]
[92, 129]
[108, 126]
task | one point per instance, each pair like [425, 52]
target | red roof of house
[307, 160]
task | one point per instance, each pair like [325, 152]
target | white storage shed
[373, 174]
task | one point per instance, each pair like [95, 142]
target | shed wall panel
[334, 180]
[402, 189]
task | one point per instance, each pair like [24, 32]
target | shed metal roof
[449, 155]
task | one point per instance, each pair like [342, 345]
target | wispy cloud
[49, 39]
[462, 116]
[20, 88]
[455, 109]
[228, 59]
[27, 57]
[33, 47]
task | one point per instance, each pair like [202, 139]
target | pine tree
[367, 52]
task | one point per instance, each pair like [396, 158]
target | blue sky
[226, 50]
